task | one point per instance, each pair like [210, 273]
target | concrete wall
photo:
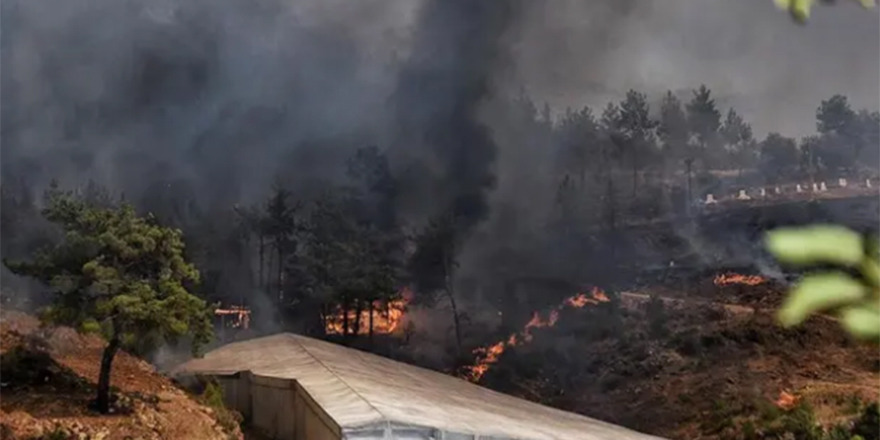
[281, 409]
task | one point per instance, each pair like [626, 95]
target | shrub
[212, 396]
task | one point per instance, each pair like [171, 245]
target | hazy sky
[754, 57]
[225, 90]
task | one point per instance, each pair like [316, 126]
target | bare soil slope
[48, 381]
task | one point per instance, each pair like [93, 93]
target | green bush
[867, 426]
[212, 396]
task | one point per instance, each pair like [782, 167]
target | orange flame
[385, 320]
[786, 400]
[488, 356]
[733, 278]
[242, 316]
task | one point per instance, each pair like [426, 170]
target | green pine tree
[121, 274]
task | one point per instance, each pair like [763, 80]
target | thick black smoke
[458, 48]
[215, 98]
[212, 100]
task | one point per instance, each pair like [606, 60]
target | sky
[751, 55]
[228, 93]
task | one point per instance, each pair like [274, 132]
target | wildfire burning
[385, 319]
[241, 315]
[734, 278]
[786, 400]
[488, 356]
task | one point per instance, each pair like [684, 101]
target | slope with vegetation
[51, 375]
[337, 247]
[329, 259]
[693, 366]
[328, 255]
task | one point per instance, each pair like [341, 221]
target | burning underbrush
[376, 317]
[706, 363]
[729, 278]
[488, 356]
[699, 359]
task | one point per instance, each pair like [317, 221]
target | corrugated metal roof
[359, 389]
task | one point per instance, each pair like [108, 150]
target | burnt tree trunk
[357, 317]
[262, 252]
[270, 267]
[345, 329]
[456, 321]
[582, 172]
[688, 163]
[280, 275]
[325, 317]
[370, 331]
[635, 173]
[102, 400]
[610, 203]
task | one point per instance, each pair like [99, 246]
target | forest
[351, 246]
[386, 175]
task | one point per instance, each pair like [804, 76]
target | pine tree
[120, 274]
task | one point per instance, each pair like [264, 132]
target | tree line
[299, 259]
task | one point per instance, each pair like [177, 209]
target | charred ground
[708, 361]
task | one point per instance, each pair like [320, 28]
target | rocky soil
[48, 382]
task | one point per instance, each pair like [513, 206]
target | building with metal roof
[292, 387]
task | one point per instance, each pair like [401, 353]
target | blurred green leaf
[800, 9]
[870, 269]
[862, 321]
[820, 292]
[90, 326]
[816, 244]
[873, 247]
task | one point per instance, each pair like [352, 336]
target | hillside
[706, 361]
[48, 380]
[701, 359]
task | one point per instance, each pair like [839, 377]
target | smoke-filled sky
[749, 54]
[226, 94]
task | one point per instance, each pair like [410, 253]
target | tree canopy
[325, 254]
[118, 273]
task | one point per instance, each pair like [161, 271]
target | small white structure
[710, 199]
[841, 182]
[763, 192]
[815, 187]
[868, 183]
[798, 188]
[777, 190]
[742, 195]
[822, 187]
